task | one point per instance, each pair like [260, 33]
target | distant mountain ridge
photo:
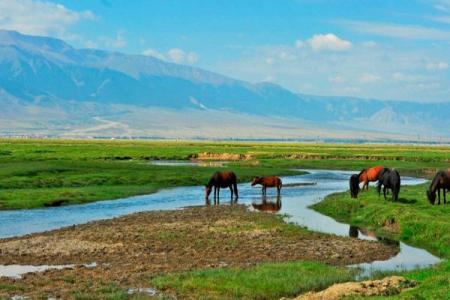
[40, 74]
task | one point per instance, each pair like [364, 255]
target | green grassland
[419, 224]
[34, 173]
[266, 281]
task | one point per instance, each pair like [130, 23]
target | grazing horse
[366, 176]
[440, 181]
[354, 185]
[269, 181]
[389, 179]
[219, 180]
[268, 206]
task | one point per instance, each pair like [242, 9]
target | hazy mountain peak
[48, 69]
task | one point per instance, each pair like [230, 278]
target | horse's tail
[398, 186]
[235, 189]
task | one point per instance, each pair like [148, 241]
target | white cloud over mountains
[175, 55]
[40, 17]
[324, 42]
[329, 41]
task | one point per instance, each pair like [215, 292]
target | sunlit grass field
[36, 173]
[419, 224]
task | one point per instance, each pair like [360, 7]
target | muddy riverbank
[131, 249]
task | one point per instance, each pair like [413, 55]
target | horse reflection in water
[354, 232]
[268, 204]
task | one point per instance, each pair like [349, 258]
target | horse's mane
[362, 171]
[434, 182]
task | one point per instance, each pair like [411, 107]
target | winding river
[295, 202]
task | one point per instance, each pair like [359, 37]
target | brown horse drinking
[269, 181]
[219, 180]
[365, 176]
[440, 181]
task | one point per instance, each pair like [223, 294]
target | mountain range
[48, 87]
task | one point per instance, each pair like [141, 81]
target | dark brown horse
[389, 179]
[365, 176]
[440, 181]
[219, 180]
[268, 206]
[269, 181]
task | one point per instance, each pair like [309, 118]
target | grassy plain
[412, 220]
[35, 173]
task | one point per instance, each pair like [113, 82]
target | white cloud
[442, 5]
[442, 19]
[368, 78]
[269, 61]
[90, 44]
[440, 65]
[269, 78]
[180, 56]
[177, 55]
[370, 44]
[192, 57]
[328, 42]
[412, 32]
[399, 76]
[299, 44]
[286, 55]
[336, 79]
[154, 53]
[40, 17]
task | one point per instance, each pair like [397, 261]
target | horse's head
[256, 180]
[208, 190]
[354, 185]
[431, 196]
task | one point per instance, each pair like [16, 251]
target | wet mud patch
[131, 249]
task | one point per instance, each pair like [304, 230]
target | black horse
[440, 181]
[354, 185]
[389, 179]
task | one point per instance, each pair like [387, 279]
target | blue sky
[366, 48]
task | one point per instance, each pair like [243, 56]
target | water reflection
[267, 204]
[364, 233]
[296, 203]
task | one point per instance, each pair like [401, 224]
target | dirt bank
[385, 287]
[131, 249]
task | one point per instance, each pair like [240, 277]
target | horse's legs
[384, 192]
[365, 185]
[215, 195]
[279, 190]
[231, 193]
[439, 196]
[445, 196]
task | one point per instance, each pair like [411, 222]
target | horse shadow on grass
[407, 201]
